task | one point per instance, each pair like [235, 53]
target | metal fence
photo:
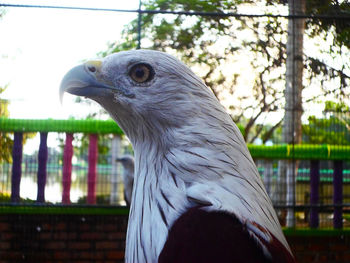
[320, 190]
[314, 193]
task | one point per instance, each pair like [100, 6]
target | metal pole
[139, 26]
[290, 192]
[42, 163]
[314, 192]
[268, 173]
[338, 194]
[16, 167]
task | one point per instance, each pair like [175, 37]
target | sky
[38, 46]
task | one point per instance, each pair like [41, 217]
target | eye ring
[141, 73]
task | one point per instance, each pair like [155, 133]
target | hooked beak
[85, 80]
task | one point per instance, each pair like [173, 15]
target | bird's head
[127, 161]
[146, 92]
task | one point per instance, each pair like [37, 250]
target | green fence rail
[301, 152]
[284, 151]
[68, 126]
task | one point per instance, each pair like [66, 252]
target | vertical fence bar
[290, 193]
[92, 170]
[16, 167]
[338, 194]
[42, 164]
[314, 192]
[268, 173]
[67, 168]
[115, 153]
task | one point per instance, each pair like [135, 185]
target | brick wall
[62, 238]
[324, 248]
[101, 238]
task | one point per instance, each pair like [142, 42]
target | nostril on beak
[92, 69]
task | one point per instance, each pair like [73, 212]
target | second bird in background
[128, 176]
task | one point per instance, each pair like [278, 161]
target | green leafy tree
[211, 45]
[6, 141]
[333, 128]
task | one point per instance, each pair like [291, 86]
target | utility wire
[187, 13]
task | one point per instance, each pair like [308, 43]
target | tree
[333, 128]
[6, 141]
[194, 40]
[214, 46]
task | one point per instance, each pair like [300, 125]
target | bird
[197, 194]
[128, 176]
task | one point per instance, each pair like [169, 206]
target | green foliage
[100, 200]
[194, 39]
[189, 37]
[271, 133]
[81, 146]
[334, 128]
[82, 149]
[4, 104]
[6, 141]
[104, 136]
[6, 198]
[340, 28]
[336, 107]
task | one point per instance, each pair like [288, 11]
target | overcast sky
[38, 46]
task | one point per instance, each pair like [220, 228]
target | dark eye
[141, 73]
